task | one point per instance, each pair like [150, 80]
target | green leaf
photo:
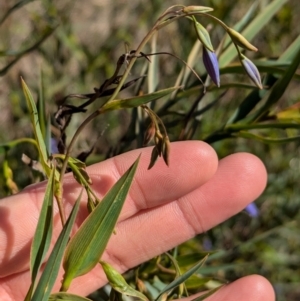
[36, 128]
[183, 277]
[153, 69]
[42, 108]
[118, 283]
[48, 278]
[291, 51]
[43, 233]
[197, 282]
[67, 297]
[137, 101]
[178, 274]
[190, 259]
[88, 244]
[207, 294]
[248, 135]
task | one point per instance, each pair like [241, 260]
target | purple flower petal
[252, 71]
[252, 210]
[54, 148]
[211, 64]
[207, 244]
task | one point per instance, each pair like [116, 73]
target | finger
[239, 180]
[250, 288]
[191, 165]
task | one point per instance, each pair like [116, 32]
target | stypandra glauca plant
[79, 254]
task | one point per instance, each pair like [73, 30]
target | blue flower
[211, 64]
[53, 146]
[252, 210]
[251, 70]
[207, 244]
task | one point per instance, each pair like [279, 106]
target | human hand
[165, 207]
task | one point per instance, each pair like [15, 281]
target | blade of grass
[62, 296]
[36, 128]
[137, 101]
[48, 278]
[182, 278]
[153, 67]
[42, 237]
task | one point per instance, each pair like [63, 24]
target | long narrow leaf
[183, 277]
[207, 294]
[137, 101]
[36, 127]
[62, 296]
[88, 244]
[43, 233]
[48, 278]
[267, 140]
[291, 51]
[153, 72]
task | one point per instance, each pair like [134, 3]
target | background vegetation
[75, 45]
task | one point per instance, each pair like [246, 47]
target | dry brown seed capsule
[149, 134]
[166, 149]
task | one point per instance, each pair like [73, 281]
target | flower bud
[240, 40]
[203, 36]
[252, 210]
[251, 71]
[211, 64]
[196, 9]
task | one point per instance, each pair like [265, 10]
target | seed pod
[154, 156]
[166, 149]
[149, 134]
[240, 40]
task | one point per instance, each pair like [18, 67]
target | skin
[165, 207]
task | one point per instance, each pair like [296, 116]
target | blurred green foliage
[75, 46]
